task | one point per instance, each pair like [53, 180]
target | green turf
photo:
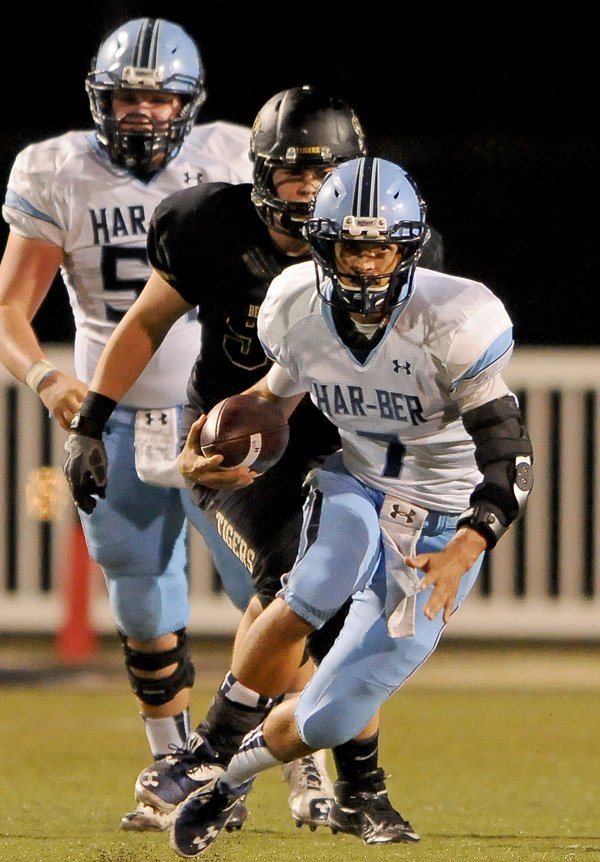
[482, 775]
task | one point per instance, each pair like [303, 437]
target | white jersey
[399, 411]
[66, 191]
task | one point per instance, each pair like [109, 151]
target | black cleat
[238, 816]
[164, 785]
[201, 819]
[365, 810]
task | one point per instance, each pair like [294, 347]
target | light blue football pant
[137, 534]
[365, 666]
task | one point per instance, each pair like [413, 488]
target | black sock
[234, 712]
[356, 758]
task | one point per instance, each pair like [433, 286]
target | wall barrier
[541, 582]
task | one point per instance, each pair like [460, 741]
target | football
[247, 430]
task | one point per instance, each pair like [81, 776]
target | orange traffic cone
[77, 640]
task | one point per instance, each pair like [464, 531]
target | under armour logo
[210, 833]
[397, 513]
[150, 779]
[188, 178]
[406, 367]
[150, 418]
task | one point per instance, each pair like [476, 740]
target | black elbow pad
[504, 456]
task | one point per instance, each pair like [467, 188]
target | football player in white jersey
[435, 465]
[204, 244]
[81, 203]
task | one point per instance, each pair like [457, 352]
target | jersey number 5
[111, 257]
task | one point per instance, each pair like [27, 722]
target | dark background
[492, 109]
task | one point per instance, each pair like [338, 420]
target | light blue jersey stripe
[501, 345]
[19, 203]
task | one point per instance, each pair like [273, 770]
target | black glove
[85, 466]
[84, 462]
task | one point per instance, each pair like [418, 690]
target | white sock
[165, 734]
[253, 757]
[238, 693]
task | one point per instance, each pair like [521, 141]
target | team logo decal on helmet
[145, 54]
[367, 200]
[296, 128]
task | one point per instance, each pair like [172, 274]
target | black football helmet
[145, 54]
[302, 126]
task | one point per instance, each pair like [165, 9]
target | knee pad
[156, 692]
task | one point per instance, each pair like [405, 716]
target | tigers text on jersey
[398, 410]
[64, 190]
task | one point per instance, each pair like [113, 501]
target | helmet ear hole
[302, 126]
[145, 54]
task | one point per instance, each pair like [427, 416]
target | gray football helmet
[145, 54]
[367, 200]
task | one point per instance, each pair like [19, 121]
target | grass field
[493, 756]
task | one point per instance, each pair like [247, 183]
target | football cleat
[365, 810]
[201, 818]
[160, 788]
[148, 819]
[238, 815]
[311, 790]
[169, 781]
[145, 818]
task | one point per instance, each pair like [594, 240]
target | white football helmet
[367, 200]
[145, 54]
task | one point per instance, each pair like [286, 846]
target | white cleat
[145, 818]
[311, 790]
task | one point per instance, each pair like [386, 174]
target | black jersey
[211, 246]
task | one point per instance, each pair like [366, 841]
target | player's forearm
[287, 405]
[278, 386]
[19, 347]
[127, 353]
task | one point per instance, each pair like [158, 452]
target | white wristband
[37, 373]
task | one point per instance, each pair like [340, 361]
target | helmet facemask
[372, 293]
[136, 142]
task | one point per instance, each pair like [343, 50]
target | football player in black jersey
[216, 248]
